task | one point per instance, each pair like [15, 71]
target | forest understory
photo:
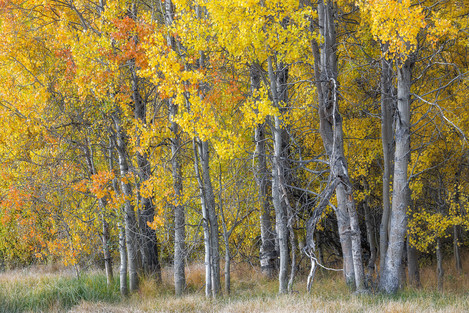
[54, 288]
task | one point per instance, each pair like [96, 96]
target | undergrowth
[53, 293]
[33, 291]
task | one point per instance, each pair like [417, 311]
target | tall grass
[36, 291]
[29, 292]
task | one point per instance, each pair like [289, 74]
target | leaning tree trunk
[389, 280]
[267, 250]
[332, 136]
[131, 229]
[387, 142]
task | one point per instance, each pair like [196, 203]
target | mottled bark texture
[268, 254]
[332, 136]
[389, 280]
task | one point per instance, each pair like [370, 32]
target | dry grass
[251, 292]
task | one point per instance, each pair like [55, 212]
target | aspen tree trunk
[148, 240]
[179, 214]
[131, 230]
[277, 170]
[412, 265]
[205, 223]
[123, 261]
[456, 228]
[212, 216]
[387, 142]
[227, 267]
[439, 263]
[179, 211]
[413, 271]
[371, 239]
[105, 225]
[107, 253]
[267, 249]
[389, 280]
[332, 136]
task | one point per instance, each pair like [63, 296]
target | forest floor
[50, 289]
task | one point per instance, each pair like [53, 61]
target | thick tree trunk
[332, 136]
[267, 249]
[387, 142]
[277, 170]
[131, 229]
[389, 281]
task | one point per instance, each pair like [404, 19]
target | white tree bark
[389, 281]
[387, 139]
[332, 136]
[267, 249]
[277, 171]
[131, 229]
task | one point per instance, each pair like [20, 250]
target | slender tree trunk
[387, 142]
[105, 226]
[206, 222]
[106, 251]
[332, 136]
[277, 170]
[439, 263]
[227, 267]
[456, 228]
[293, 245]
[179, 212]
[412, 265]
[267, 249]
[123, 261]
[389, 281]
[131, 230]
[212, 215]
[149, 243]
[457, 255]
[371, 239]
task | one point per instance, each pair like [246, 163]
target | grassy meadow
[51, 289]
